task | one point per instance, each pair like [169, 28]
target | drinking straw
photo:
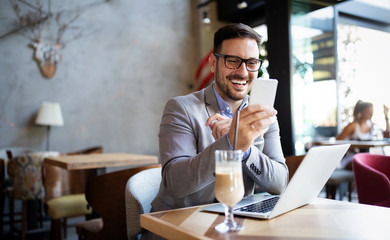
[236, 130]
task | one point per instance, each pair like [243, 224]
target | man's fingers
[262, 123]
[214, 118]
[220, 128]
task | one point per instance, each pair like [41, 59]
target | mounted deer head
[47, 55]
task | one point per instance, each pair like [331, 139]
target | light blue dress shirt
[226, 111]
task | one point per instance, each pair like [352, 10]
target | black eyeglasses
[234, 62]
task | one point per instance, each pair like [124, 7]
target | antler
[32, 20]
[62, 27]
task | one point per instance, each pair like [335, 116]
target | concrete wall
[112, 84]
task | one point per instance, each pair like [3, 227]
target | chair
[140, 191]
[25, 172]
[6, 186]
[65, 193]
[2, 194]
[386, 134]
[105, 193]
[292, 163]
[338, 176]
[372, 173]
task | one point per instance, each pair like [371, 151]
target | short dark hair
[235, 30]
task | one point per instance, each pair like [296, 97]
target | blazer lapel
[210, 101]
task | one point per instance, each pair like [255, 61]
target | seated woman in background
[361, 128]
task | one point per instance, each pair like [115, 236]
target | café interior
[81, 106]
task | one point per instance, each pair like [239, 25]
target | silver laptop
[307, 182]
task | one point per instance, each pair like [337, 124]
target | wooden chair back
[293, 163]
[106, 195]
[9, 154]
[2, 193]
[60, 182]
[2, 171]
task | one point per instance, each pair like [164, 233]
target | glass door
[314, 88]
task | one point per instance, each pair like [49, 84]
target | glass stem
[229, 221]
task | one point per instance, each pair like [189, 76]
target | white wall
[112, 84]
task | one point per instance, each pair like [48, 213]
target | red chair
[372, 173]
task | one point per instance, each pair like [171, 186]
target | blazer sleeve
[266, 164]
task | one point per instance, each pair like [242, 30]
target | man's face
[234, 85]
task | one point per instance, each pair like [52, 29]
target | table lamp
[49, 115]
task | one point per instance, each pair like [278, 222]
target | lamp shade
[50, 115]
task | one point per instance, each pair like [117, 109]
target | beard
[223, 85]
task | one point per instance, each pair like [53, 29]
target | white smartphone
[263, 92]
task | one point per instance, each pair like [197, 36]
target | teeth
[238, 82]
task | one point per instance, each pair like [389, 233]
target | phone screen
[263, 92]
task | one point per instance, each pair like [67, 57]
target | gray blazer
[187, 155]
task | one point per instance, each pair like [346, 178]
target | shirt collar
[224, 108]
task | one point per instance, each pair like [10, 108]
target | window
[337, 60]
[363, 69]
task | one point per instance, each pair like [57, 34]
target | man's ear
[212, 62]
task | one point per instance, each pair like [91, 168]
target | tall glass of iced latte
[229, 185]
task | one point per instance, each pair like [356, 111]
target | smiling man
[194, 126]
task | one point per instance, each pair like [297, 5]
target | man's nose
[242, 69]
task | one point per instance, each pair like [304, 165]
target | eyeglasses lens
[235, 62]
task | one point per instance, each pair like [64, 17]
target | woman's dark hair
[360, 106]
[235, 30]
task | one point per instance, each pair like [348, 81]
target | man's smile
[240, 82]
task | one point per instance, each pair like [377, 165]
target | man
[195, 125]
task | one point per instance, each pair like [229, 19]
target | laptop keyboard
[260, 207]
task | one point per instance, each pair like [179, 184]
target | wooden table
[101, 160]
[322, 219]
[355, 143]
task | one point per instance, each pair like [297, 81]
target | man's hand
[219, 125]
[254, 122]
